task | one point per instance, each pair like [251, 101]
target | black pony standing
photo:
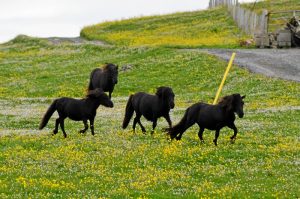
[151, 107]
[212, 117]
[104, 78]
[76, 109]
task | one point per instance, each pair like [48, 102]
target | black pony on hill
[104, 78]
[78, 110]
[212, 117]
[151, 107]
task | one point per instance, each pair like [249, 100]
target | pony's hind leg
[200, 134]
[56, 126]
[154, 124]
[62, 126]
[142, 127]
[179, 136]
[85, 127]
[216, 136]
[137, 120]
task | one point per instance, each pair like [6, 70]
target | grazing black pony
[104, 78]
[78, 110]
[212, 117]
[151, 107]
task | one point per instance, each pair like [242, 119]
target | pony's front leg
[233, 127]
[167, 117]
[109, 94]
[92, 126]
[216, 136]
[85, 127]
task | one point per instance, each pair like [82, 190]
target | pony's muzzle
[110, 105]
[241, 115]
[172, 105]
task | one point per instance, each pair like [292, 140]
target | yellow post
[224, 78]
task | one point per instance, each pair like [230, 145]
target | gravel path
[75, 41]
[281, 63]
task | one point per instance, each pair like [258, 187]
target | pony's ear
[243, 96]
[159, 92]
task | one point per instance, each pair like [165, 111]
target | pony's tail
[182, 126]
[128, 112]
[48, 114]
[91, 87]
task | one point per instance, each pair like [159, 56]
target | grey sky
[46, 18]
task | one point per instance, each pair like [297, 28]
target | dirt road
[281, 63]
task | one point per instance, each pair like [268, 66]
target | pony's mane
[93, 93]
[227, 102]
[163, 90]
[108, 66]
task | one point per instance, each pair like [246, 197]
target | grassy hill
[274, 5]
[206, 28]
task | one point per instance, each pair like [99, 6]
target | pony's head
[166, 94]
[101, 96]
[112, 71]
[233, 103]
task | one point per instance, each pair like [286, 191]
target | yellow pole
[224, 78]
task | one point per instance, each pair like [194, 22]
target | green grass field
[116, 163]
[208, 28]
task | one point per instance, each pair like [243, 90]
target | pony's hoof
[216, 144]
[178, 138]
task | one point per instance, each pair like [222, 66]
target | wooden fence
[216, 3]
[250, 22]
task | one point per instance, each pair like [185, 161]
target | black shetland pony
[212, 117]
[104, 78]
[78, 110]
[151, 107]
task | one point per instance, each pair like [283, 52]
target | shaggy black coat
[151, 107]
[104, 78]
[76, 109]
[212, 117]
